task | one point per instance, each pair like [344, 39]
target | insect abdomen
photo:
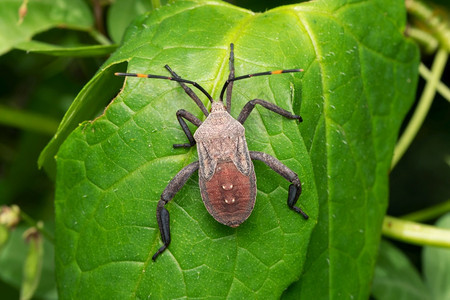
[229, 196]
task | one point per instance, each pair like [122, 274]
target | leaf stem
[30, 221]
[422, 108]
[415, 233]
[27, 121]
[441, 87]
[429, 212]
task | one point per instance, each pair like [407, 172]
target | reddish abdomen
[229, 196]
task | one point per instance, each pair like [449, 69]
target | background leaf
[76, 51]
[41, 15]
[357, 86]
[436, 266]
[395, 276]
[121, 13]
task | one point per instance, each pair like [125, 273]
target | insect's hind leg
[181, 115]
[270, 106]
[190, 92]
[162, 214]
[295, 189]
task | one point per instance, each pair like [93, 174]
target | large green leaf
[358, 83]
[368, 75]
[40, 15]
[92, 98]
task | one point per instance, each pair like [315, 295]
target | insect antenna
[254, 75]
[177, 79]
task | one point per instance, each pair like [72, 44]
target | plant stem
[441, 87]
[103, 40]
[422, 108]
[429, 212]
[27, 219]
[415, 233]
[27, 121]
[427, 41]
[439, 27]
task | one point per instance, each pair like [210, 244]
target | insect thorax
[219, 139]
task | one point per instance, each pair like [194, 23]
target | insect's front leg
[162, 214]
[191, 118]
[270, 106]
[295, 189]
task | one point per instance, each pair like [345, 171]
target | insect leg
[230, 77]
[270, 106]
[295, 189]
[190, 92]
[162, 214]
[191, 118]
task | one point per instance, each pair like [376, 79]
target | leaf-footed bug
[226, 175]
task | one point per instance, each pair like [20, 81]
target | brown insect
[226, 174]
